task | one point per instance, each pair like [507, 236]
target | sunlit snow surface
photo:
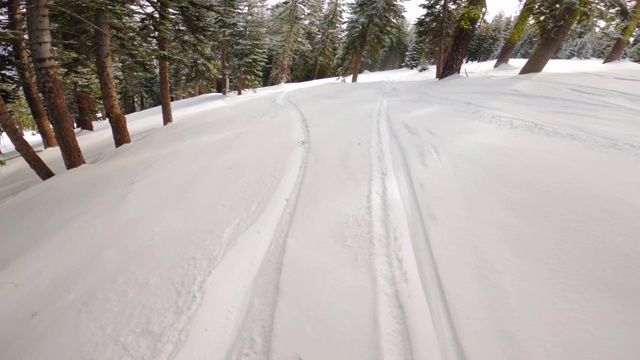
[488, 217]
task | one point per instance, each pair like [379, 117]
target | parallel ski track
[393, 336]
[253, 340]
[447, 337]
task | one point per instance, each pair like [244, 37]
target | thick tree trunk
[26, 77]
[163, 46]
[85, 107]
[22, 146]
[356, 66]
[516, 33]
[465, 29]
[41, 51]
[443, 32]
[622, 41]
[551, 40]
[117, 120]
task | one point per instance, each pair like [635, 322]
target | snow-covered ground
[488, 217]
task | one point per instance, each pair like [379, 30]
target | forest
[67, 63]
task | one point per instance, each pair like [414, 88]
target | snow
[492, 216]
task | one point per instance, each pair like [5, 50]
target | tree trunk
[26, 77]
[117, 120]
[41, 51]
[196, 83]
[142, 105]
[163, 46]
[356, 66]
[22, 146]
[223, 69]
[551, 40]
[622, 41]
[129, 104]
[465, 30]
[516, 33]
[443, 31]
[85, 107]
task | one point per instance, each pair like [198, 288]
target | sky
[493, 7]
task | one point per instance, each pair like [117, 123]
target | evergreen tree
[370, 28]
[328, 45]
[22, 146]
[465, 28]
[250, 50]
[554, 19]
[289, 38]
[46, 73]
[519, 29]
[627, 30]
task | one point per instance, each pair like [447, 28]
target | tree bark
[117, 120]
[551, 40]
[21, 145]
[163, 46]
[356, 66]
[85, 107]
[465, 30]
[622, 41]
[443, 31]
[41, 51]
[26, 77]
[516, 34]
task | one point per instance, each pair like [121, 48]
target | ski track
[394, 342]
[253, 339]
[425, 261]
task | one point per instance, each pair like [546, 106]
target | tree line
[62, 62]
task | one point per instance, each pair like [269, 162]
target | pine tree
[516, 34]
[42, 54]
[465, 28]
[23, 68]
[371, 26]
[328, 45]
[627, 30]
[22, 146]
[289, 27]
[250, 51]
[554, 18]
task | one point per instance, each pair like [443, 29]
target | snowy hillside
[488, 217]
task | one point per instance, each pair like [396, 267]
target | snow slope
[488, 217]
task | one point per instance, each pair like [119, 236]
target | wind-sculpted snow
[489, 217]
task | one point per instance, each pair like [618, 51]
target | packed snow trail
[490, 217]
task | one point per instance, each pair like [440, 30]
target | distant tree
[554, 19]
[42, 54]
[465, 29]
[250, 51]
[328, 45]
[289, 26]
[371, 27]
[22, 146]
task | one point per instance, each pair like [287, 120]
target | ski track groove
[393, 337]
[447, 337]
[253, 339]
